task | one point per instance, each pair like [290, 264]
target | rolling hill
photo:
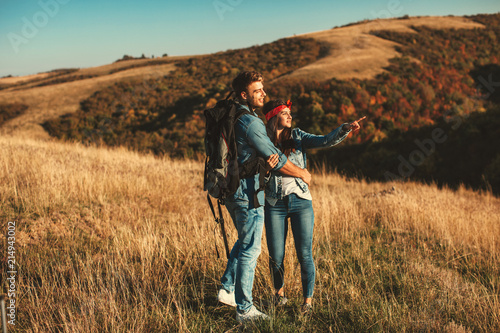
[353, 53]
[358, 53]
[50, 95]
[408, 75]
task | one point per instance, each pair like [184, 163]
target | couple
[287, 194]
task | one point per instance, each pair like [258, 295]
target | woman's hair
[285, 143]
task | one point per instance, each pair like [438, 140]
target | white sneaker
[250, 315]
[226, 297]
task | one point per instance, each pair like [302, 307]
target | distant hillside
[56, 93]
[454, 86]
[163, 115]
[50, 95]
[357, 50]
[404, 74]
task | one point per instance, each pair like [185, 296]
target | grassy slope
[357, 53]
[104, 242]
[51, 101]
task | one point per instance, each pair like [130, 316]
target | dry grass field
[108, 240]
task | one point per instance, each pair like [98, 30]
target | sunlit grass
[114, 241]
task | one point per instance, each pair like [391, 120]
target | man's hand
[354, 126]
[291, 169]
[272, 161]
[306, 177]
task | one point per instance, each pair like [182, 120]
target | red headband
[277, 110]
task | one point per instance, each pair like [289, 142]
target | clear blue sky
[41, 35]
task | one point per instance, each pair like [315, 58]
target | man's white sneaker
[251, 315]
[226, 297]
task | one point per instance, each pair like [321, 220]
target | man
[248, 215]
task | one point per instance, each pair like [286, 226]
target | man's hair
[244, 79]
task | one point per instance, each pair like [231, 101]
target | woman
[290, 197]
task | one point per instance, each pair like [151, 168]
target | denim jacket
[303, 141]
[252, 141]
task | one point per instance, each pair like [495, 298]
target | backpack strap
[219, 220]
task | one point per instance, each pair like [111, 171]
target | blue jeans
[301, 216]
[240, 270]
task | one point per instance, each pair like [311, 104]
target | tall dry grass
[114, 241]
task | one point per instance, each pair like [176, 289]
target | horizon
[45, 35]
